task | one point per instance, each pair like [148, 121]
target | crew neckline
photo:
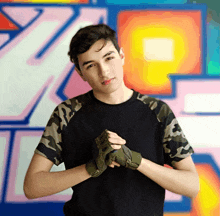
[133, 96]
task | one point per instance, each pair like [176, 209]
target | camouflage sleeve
[50, 145]
[175, 145]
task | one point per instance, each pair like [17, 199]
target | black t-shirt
[149, 127]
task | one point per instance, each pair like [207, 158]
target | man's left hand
[125, 157]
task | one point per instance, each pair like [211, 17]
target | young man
[111, 126]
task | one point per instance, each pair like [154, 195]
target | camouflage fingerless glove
[125, 157]
[97, 166]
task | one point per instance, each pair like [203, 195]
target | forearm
[178, 181]
[44, 183]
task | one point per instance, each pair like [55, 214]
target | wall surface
[171, 52]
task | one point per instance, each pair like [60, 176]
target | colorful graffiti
[166, 41]
[49, 1]
[36, 75]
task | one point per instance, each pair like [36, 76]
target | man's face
[102, 67]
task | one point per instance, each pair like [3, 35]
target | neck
[116, 97]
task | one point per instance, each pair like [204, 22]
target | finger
[116, 146]
[115, 164]
[111, 165]
[117, 141]
[113, 134]
[110, 132]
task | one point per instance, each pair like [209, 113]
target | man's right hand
[116, 142]
[98, 165]
[106, 142]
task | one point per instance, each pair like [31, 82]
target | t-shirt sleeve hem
[181, 158]
[42, 154]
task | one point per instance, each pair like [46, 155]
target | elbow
[196, 188]
[194, 194]
[197, 191]
[29, 192]
[27, 195]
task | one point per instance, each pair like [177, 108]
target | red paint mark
[6, 24]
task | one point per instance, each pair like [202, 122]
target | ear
[80, 73]
[122, 55]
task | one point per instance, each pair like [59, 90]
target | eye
[110, 58]
[88, 67]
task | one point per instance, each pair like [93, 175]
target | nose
[103, 70]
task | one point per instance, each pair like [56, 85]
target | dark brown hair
[86, 37]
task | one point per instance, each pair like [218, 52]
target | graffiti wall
[171, 52]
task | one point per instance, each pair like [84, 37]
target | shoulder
[159, 107]
[74, 104]
[67, 109]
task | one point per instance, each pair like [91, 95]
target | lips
[106, 82]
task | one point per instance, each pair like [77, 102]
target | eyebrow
[107, 54]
